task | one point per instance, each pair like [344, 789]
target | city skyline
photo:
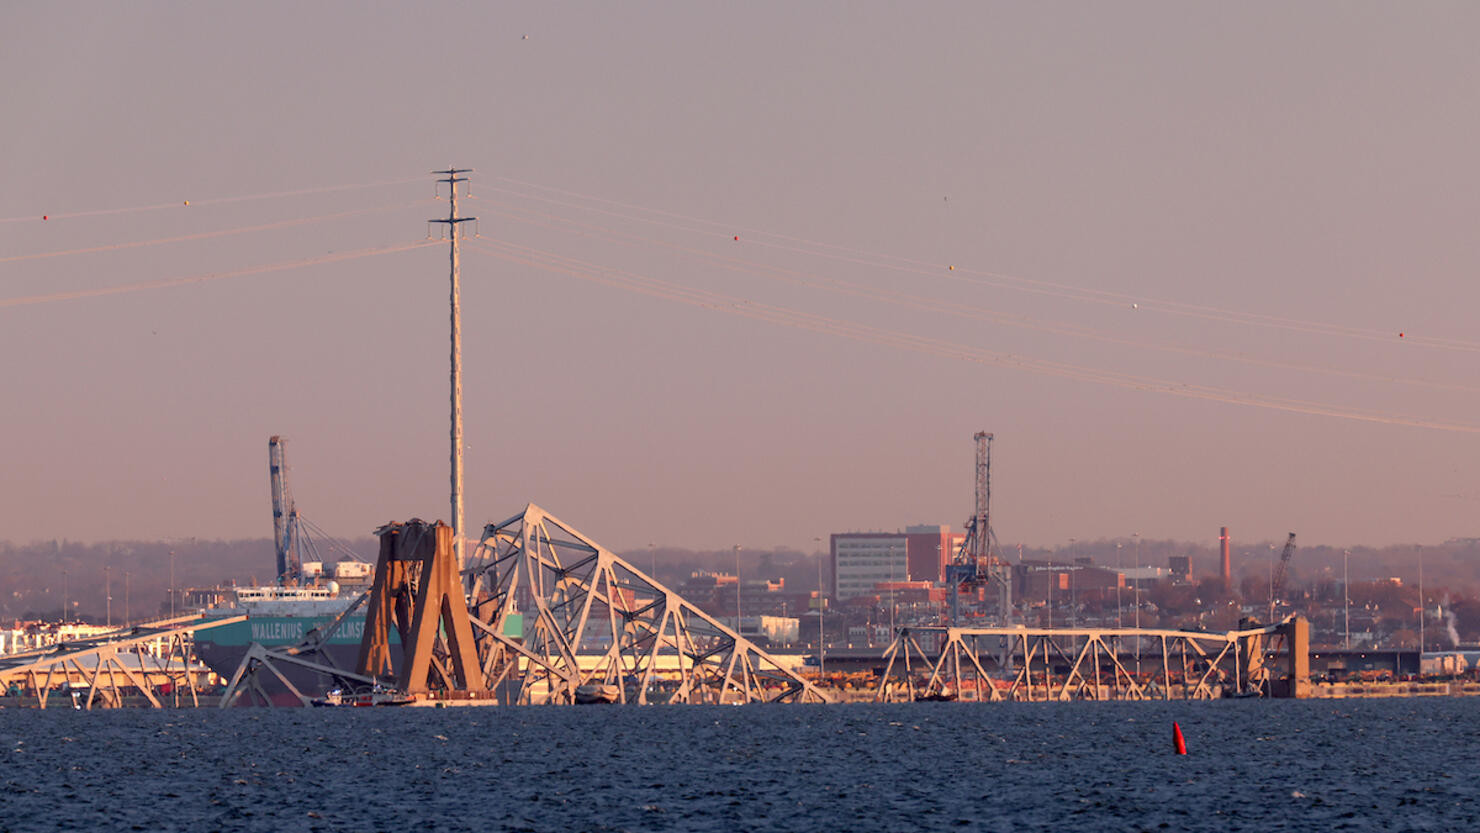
[746, 275]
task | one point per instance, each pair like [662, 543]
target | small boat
[593, 693]
[378, 695]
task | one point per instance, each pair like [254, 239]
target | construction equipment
[977, 563]
[284, 514]
[1277, 584]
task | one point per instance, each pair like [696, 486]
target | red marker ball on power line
[1400, 335]
[45, 217]
[737, 237]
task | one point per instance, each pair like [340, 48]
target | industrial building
[861, 561]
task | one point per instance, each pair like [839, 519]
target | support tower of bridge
[417, 590]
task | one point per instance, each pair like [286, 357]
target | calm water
[1406, 764]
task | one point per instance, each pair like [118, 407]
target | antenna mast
[452, 179]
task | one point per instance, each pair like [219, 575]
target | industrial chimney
[1227, 567]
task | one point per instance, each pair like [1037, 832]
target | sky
[744, 273]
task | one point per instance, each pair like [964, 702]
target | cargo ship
[304, 599]
[284, 616]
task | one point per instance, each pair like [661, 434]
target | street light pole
[891, 593]
[1136, 536]
[737, 588]
[1421, 605]
[1346, 598]
[821, 609]
[1073, 593]
[1053, 579]
[1119, 580]
[1271, 584]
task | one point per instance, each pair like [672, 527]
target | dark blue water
[1407, 764]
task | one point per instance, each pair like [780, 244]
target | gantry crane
[977, 563]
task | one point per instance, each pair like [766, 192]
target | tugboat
[377, 695]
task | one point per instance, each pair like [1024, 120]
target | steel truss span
[1040, 664]
[148, 663]
[573, 592]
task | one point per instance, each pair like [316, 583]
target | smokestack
[1227, 567]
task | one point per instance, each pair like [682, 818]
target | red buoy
[1177, 739]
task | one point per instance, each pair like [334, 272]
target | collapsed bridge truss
[148, 663]
[555, 618]
[654, 646]
[1094, 664]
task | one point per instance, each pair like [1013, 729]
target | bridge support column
[1251, 676]
[1296, 683]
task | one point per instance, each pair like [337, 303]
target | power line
[327, 189]
[922, 344]
[914, 300]
[966, 273]
[207, 235]
[168, 283]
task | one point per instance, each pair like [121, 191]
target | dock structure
[1054, 664]
[145, 665]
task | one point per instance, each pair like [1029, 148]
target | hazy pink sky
[1246, 203]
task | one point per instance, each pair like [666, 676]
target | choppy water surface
[1317, 765]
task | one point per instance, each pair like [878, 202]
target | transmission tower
[452, 221]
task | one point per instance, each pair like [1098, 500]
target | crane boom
[1277, 585]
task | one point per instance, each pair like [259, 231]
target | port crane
[292, 534]
[284, 514]
[977, 563]
[1277, 584]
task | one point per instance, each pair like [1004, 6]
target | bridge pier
[1296, 682]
